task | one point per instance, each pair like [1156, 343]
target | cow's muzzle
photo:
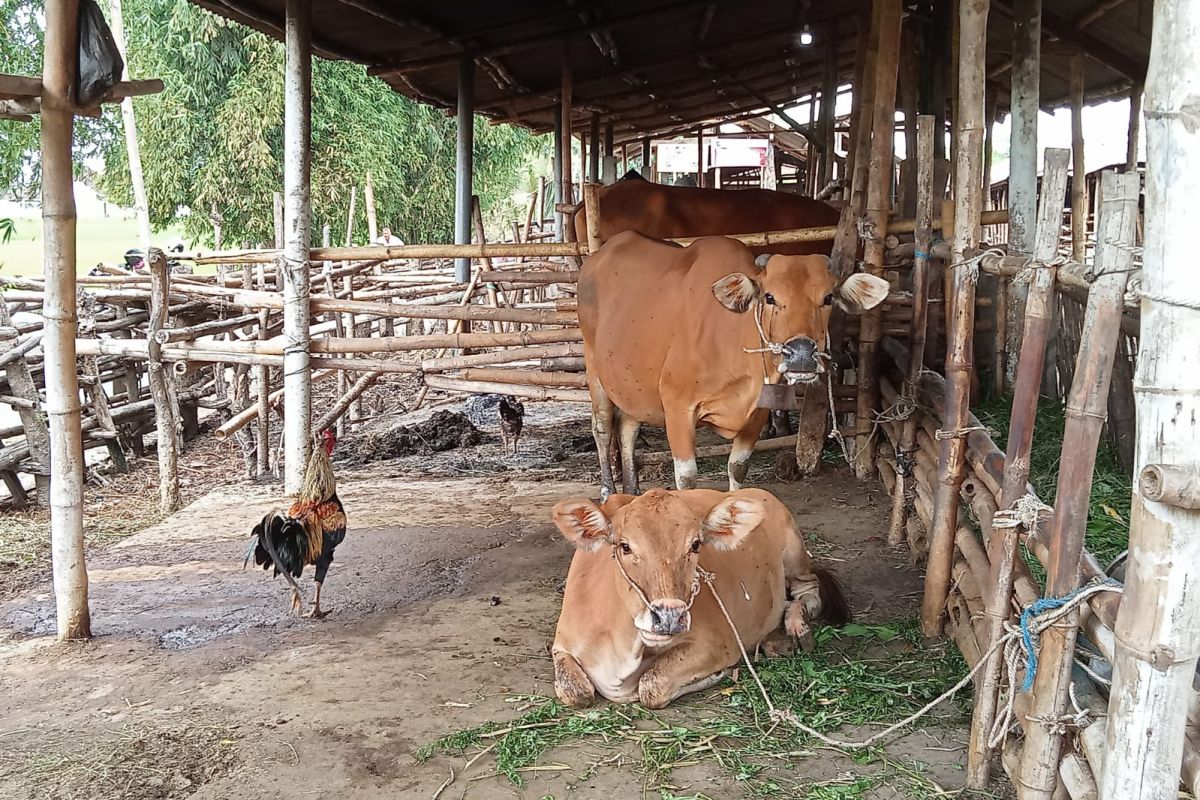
[669, 617]
[800, 361]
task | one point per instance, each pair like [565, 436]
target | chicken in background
[313, 526]
[512, 419]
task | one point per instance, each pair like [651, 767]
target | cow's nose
[799, 355]
[668, 617]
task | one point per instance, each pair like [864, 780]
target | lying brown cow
[681, 336]
[639, 624]
[669, 212]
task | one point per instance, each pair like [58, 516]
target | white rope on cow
[774, 348]
[1013, 636]
[700, 573]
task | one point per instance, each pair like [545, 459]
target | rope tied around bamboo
[1025, 513]
[971, 265]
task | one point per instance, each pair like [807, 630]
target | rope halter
[701, 573]
[778, 348]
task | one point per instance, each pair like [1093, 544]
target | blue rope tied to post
[1036, 609]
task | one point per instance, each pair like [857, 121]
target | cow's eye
[828, 299]
[625, 548]
[695, 545]
[769, 299]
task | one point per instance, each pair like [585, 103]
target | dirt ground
[444, 597]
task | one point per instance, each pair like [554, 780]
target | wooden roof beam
[526, 42]
[1066, 32]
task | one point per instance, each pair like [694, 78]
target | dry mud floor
[199, 684]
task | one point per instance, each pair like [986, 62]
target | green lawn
[97, 240]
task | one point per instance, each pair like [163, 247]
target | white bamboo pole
[62, 385]
[1023, 162]
[128, 122]
[1158, 627]
[297, 136]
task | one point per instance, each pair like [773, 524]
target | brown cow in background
[687, 336]
[671, 212]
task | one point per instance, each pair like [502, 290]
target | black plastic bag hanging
[100, 62]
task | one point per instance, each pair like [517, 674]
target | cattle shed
[1096, 310]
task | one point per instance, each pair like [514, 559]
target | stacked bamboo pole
[960, 329]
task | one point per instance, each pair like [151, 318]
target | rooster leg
[315, 612]
[296, 601]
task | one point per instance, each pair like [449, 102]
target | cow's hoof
[779, 644]
[652, 693]
[571, 683]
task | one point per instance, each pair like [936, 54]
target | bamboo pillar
[297, 137]
[166, 412]
[129, 124]
[647, 157]
[968, 203]
[1084, 419]
[828, 106]
[369, 207]
[879, 190]
[700, 157]
[1135, 122]
[594, 148]
[349, 217]
[920, 314]
[1023, 160]
[59, 62]
[1079, 194]
[1016, 463]
[864, 85]
[558, 194]
[464, 164]
[1158, 625]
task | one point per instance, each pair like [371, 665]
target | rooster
[512, 419]
[309, 531]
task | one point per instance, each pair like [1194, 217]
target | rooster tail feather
[276, 525]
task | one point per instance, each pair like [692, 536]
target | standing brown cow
[681, 336]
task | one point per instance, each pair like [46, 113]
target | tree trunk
[165, 409]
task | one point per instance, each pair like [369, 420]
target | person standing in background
[388, 239]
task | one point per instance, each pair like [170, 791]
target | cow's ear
[736, 291]
[861, 292]
[583, 524]
[731, 520]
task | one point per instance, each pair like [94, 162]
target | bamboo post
[1122, 415]
[972, 29]
[350, 216]
[916, 352]
[129, 124]
[369, 202]
[565, 192]
[262, 431]
[1079, 194]
[59, 62]
[1135, 121]
[1020, 441]
[591, 204]
[297, 138]
[464, 164]
[1084, 418]
[343, 402]
[1158, 625]
[1023, 160]
[879, 190]
[165, 412]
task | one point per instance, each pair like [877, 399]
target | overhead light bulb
[806, 37]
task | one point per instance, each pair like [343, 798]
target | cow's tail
[835, 608]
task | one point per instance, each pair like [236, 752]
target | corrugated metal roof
[655, 66]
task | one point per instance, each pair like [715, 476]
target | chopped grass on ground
[1108, 514]
[860, 675]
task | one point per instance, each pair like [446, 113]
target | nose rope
[777, 349]
[701, 574]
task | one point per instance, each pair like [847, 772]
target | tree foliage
[214, 137]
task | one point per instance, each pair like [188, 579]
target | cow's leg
[629, 433]
[571, 683]
[688, 668]
[602, 431]
[743, 448]
[681, 437]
